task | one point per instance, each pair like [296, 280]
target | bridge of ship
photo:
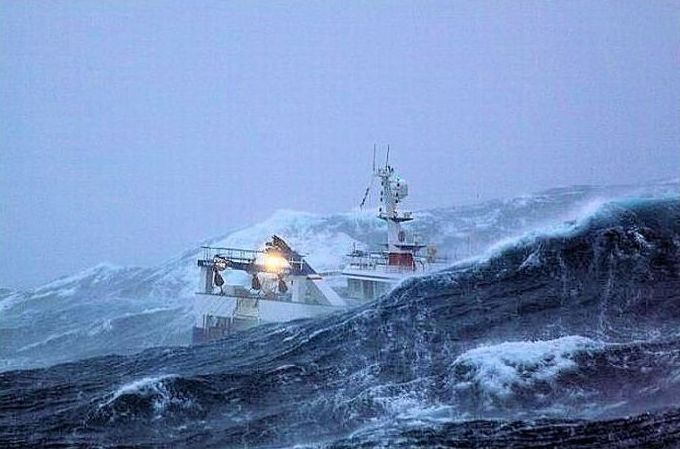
[383, 261]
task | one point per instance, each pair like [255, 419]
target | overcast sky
[132, 130]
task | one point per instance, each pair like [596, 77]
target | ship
[283, 286]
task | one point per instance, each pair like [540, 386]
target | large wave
[556, 338]
[109, 309]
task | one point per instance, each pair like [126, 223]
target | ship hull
[217, 316]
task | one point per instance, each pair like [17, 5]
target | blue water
[566, 339]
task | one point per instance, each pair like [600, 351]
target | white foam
[97, 272]
[152, 386]
[497, 369]
[48, 340]
[10, 301]
[100, 326]
[563, 226]
[140, 386]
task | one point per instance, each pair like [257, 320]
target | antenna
[373, 158]
[387, 159]
[368, 189]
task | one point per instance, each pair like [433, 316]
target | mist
[130, 131]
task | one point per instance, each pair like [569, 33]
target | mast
[393, 190]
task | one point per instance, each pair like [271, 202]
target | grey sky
[131, 130]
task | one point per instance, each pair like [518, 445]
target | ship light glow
[275, 263]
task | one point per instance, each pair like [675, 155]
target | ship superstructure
[284, 287]
[371, 273]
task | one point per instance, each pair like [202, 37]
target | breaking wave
[564, 339]
[498, 370]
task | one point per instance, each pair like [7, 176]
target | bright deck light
[275, 263]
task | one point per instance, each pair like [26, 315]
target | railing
[379, 261]
[244, 256]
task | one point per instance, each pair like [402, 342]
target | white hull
[270, 311]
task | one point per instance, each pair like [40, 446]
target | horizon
[356, 210]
